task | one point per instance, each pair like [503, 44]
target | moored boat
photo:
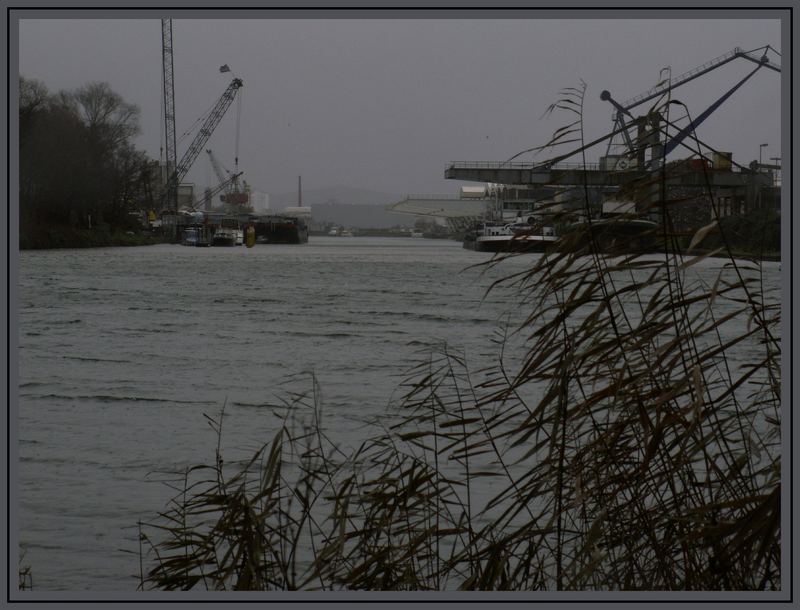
[195, 236]
[510, 237]
[224, 236]
[189, 236]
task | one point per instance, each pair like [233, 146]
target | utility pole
[760, 148]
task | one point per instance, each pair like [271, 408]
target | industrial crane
[648, 127]
[233, 194]
[169, 197]
[208, 196]
[211, 122]
[213, 118]
[222, 173]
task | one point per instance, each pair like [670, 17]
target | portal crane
[648, 127]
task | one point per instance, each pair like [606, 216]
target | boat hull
[509, 243]
[196, 236]
[619, 236]
[224, 237]
[280, 230]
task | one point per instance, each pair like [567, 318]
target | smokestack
[299, 191]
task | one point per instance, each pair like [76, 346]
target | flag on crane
[224, 68]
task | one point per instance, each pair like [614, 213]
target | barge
[279, 229]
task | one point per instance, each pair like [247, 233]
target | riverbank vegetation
[82, 182]
[71, 237]
[633, 444]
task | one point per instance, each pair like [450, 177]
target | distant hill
[350, 207]
[358, 216]
[334, 195]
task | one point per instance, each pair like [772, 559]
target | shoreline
[62, 238]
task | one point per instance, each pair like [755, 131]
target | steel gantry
[649, 127]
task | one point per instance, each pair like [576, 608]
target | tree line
[78, 166]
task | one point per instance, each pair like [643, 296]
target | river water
[123, 350]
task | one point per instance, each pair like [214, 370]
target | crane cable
[238, 123]
[198, 120]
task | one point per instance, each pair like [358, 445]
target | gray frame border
[444, 10]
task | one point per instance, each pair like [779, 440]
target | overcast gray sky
[386, 104]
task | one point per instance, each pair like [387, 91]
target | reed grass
[624, 449]
[24, 574]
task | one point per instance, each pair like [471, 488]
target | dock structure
[642, 144]
[735, 189]
[536, 174]
[592, 174]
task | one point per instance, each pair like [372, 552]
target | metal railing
[439, 198]
[491, 165]
[494, 165]
[576, 166]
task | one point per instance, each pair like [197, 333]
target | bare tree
[106, 114]
[33, 98]
[76, 157]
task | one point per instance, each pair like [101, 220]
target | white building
[474, 192]
[259, 201]
[301, 211]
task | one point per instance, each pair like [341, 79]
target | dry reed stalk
[624, 450]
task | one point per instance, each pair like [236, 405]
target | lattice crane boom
[715, 63]
[212, 120]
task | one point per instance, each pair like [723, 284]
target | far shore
[68, 238]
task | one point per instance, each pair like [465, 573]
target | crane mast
[170, 195]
